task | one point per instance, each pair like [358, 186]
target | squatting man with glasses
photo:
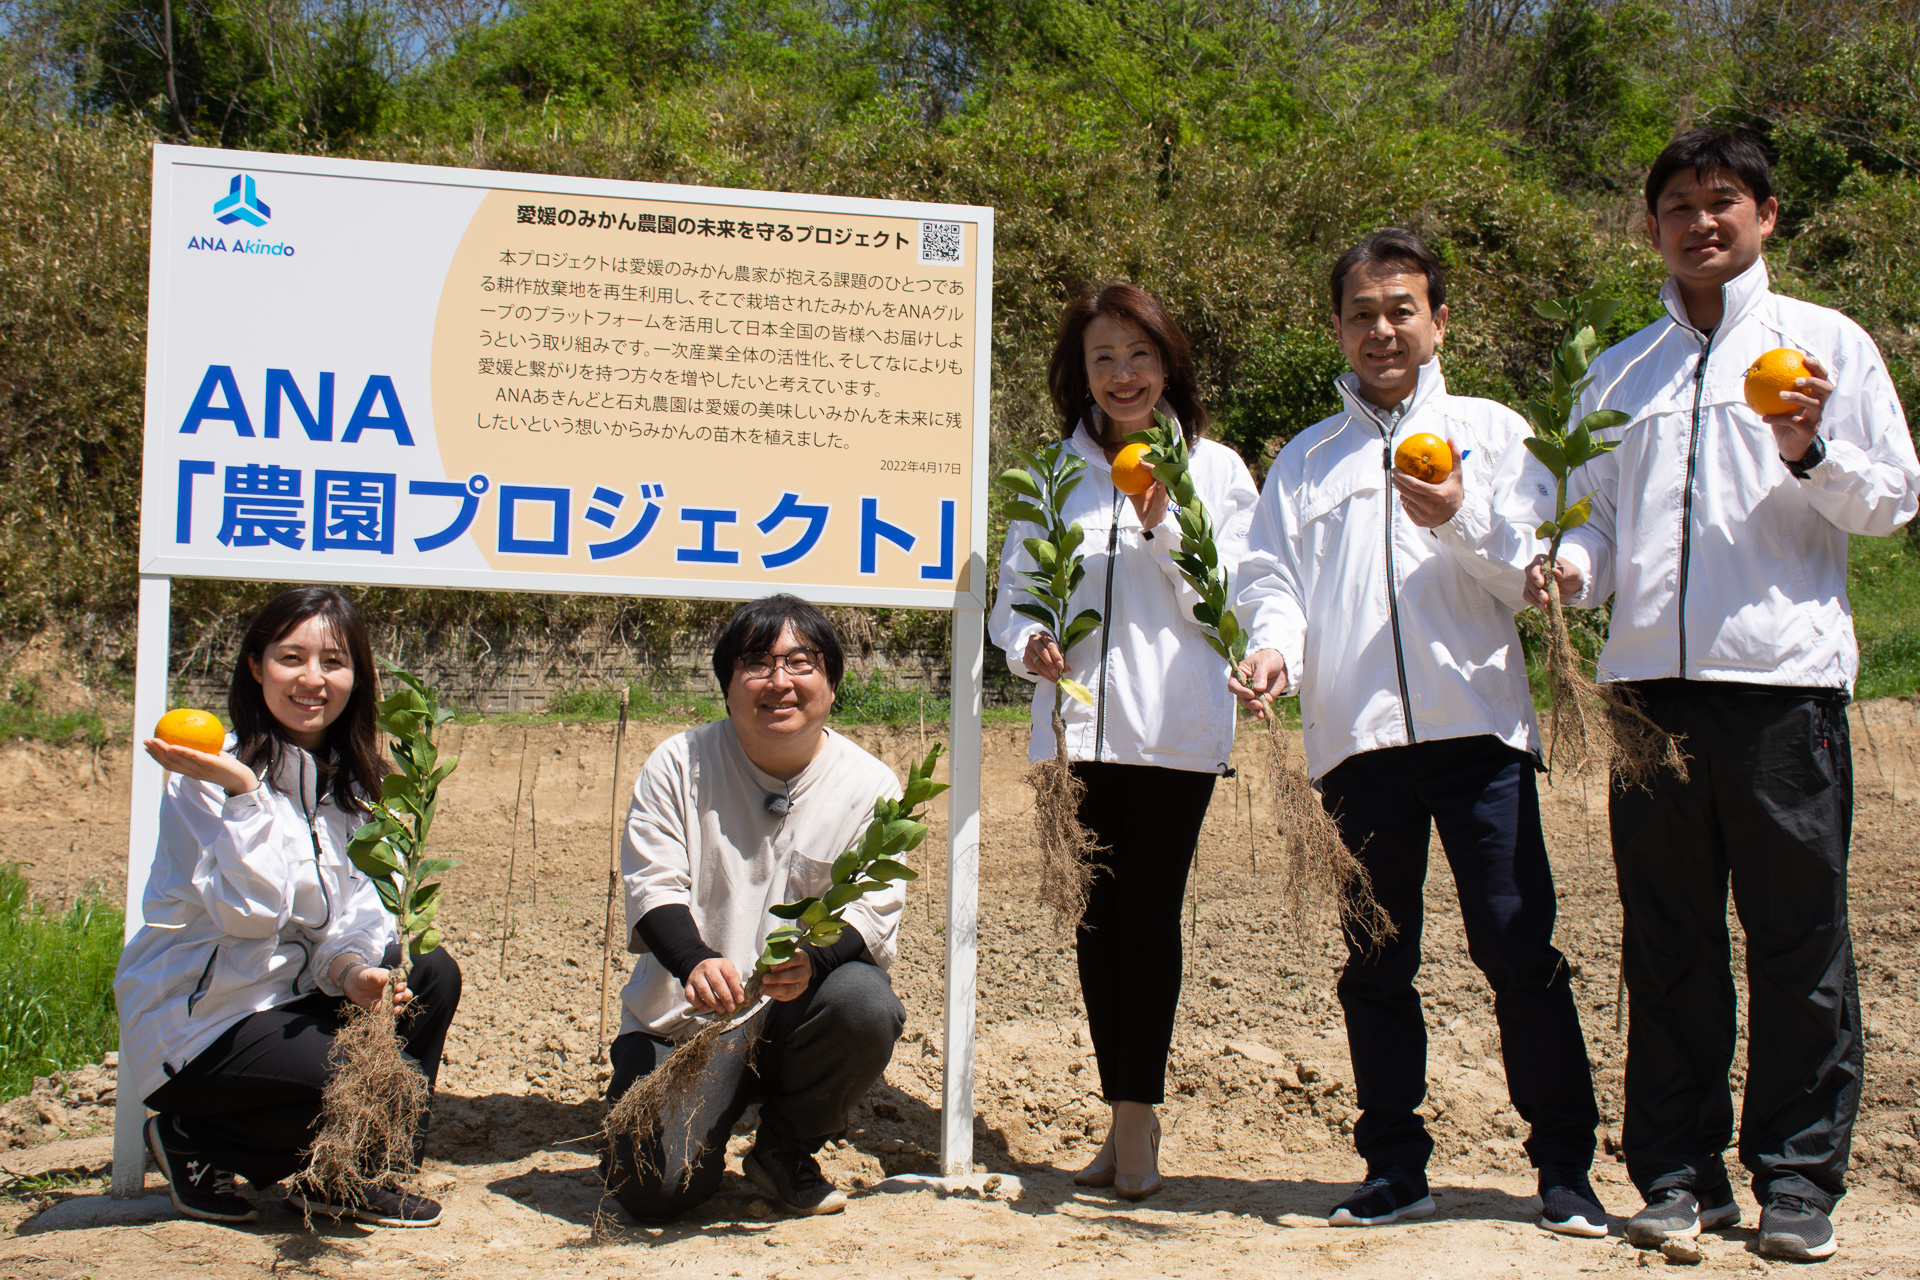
[728, 820]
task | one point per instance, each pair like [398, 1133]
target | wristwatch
[1815, 455]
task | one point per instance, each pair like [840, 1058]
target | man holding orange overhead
[1722, 537]
[1388, 603]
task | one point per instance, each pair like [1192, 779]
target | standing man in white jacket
[1722, 537]
[1388, 604]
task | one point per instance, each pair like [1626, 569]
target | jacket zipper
[206, 981]
[1106, 629]
[1393, 597]
[319, 874]
[1686, 501]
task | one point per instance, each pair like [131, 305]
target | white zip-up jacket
[251, 901]
[1722, 564]
[1393, 633]
[1160, 691]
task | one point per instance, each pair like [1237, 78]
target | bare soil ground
[1260, 1091]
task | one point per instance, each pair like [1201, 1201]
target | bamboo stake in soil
[533, 826]
[513, 856]
[613, 881]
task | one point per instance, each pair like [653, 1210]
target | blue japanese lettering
[631, 538]
[942, 572]
[183, 509]
[262, 505]
[469, 495]
[706, 553]
[791, 508]
[872, 529]
[353, 510]
[559, 504]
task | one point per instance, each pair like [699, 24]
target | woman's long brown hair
[351, 762]
[1129, 303]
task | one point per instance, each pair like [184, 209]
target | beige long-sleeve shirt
[699, 832]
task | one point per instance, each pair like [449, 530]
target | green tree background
[1220, 154]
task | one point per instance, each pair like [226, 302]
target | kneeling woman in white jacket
[1161, 727]
[259, 930]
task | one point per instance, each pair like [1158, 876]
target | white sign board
[381, 373]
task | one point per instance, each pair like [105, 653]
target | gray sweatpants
[819, 1054]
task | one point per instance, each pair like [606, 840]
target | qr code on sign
[940, 242]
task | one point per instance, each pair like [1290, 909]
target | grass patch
[1883, 582]
[22, 717]
[56, 984]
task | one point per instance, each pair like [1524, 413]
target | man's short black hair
[1391, 247]
[755, 628]
[1703, 149]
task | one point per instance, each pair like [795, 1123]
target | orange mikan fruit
[196, 730]
[1131, 475]
[1424, 456]
[1771, 374]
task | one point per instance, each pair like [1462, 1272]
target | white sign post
[363, 373]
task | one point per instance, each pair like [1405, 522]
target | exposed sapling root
[1317, 871]
[371, 1108]
[1066, 847]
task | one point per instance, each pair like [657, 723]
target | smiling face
[1124, 372]
[1387, 330]
[306, 677]
[780, 719]
[1709, 228]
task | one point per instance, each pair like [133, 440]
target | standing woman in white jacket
[259, 931]
[1161, 727]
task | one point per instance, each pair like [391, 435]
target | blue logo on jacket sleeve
[242, 204]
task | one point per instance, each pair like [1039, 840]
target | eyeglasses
[798, 662]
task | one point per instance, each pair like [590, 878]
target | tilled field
[1260, 1093]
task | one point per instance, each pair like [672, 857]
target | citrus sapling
[370, 1109]
[1317, 866]
[1037, 495]
[635, 1126]
[1593, 728]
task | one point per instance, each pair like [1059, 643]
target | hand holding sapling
[1593, 728]
[1039, 497]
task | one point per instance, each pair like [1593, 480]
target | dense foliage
[1219, 153]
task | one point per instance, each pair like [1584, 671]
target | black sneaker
[378, 1206]
[1567, 1203]
[794, 1182]
[198, 1189]
[1790, 1227]
[1677, 1213]
[1388, 1195]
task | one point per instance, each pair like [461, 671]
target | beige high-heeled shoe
[1100, 1172]
[1130, 1186]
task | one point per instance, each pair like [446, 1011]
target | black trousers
[1480, 793]
[1768, 805]
[1147, 822]
[250, 1101]
[816, 1057]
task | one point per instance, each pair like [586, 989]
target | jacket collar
[297, 774]
[1738, 296]
[1429, 383]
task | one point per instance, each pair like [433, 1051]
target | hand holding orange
[1425, 457]
[1131, 475]
[1774, 372]
[195, 730]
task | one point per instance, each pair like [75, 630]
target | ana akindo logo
[242, 204]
